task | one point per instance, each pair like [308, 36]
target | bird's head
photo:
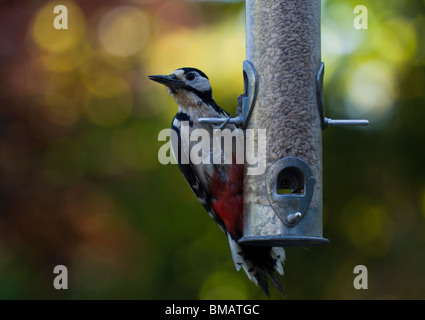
[187, 86]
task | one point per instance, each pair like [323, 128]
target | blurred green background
[81, 185]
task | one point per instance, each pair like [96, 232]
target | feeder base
[284, 241]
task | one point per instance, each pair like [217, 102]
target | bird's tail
[259, 263]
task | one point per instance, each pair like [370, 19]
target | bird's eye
[190, 76]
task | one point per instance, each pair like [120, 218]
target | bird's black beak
[170, 81]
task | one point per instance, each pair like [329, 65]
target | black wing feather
[192, 179]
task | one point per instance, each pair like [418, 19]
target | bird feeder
[283, 94]
[283, 206]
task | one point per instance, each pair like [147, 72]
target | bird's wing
[191, 177]
[258, 262]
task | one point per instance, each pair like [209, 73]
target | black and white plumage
[219, 187]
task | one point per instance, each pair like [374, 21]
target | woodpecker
[219, 187]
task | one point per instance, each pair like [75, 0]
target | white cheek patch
[178, 73]
[200, 84]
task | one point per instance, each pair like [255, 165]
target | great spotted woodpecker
[219, 187]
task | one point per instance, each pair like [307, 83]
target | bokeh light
[124, 31]
[55, 41]
[65, 61]
[398, 42]
[371, 91]
[339, 37]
